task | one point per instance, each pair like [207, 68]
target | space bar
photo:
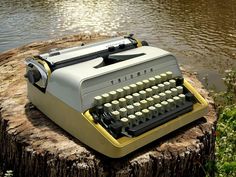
[160, 119]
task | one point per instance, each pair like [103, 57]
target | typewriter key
[156, 98]
[108, 107]
[136, 97]
[174, 91]
[142, 94]
[105, 98]
[97, 100]
[157, 79]
[152, 81]
[127, 90]
[154, 90]
[180, 89]
[146, 83]
[150, 101]
[137, 106]
[113, 95]
[140, 86]
[163, 77]
[166, 85]
[120, 93]
[115, 105]
[129, 99]
[169, 75]
[133, 88]
[122, 102]
[123, 112]
[144, 104]
[172, 83]
[161, 87]
[116, 114]
[130, 109]
[162, 96]
[168, 94]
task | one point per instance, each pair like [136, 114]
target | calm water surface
[200, 33]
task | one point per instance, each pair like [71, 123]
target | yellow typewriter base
[77, 124]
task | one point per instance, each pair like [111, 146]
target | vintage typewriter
[115, 96]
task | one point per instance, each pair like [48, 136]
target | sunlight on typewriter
[115, 96]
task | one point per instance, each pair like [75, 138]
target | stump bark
[32, 145]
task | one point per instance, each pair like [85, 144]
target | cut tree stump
[32, 145]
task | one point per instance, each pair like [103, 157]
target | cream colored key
[137, 107]
[146, 114]
[150, 101]
[122, 102]
[152, 81]
[113, 95]
[144, 104]
[146, 83]
[180, 89]
[182, 98]
[132, 119]
[161, 87]
[156, 98]
[127, 90]
[129, 99]
[153, 110]
[169, 75]
[125, 123]
[163, 77]
[164, 105]
[130, 109]
[116, 114]
[155, 90]
[166, 85]
[172, 83]
[123, 112]
[177, 100]
[108, 107]
[149, 92]
[168, 94]
[174, 91]
[158, 79]
[97, 100]
[143, 94]
[133, 88]
[115, 105]
[139, 116]
[120, 93]
[162, 96]
[171, 104]
[140, 86]
[136, 97]
[159, 108]
[105, 98]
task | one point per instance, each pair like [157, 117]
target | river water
[200, 33]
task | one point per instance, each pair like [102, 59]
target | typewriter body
[115, 96]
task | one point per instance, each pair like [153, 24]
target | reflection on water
[200, 33]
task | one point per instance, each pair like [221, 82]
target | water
[202, 34]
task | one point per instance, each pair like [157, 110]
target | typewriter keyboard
[142, 106]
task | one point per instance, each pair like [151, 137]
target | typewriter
[115, 95]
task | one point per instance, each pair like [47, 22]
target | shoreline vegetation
[225, 103]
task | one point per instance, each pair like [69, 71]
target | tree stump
[32, 145]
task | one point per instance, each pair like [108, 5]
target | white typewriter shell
[78, 84]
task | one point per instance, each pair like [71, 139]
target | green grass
[225, 164]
